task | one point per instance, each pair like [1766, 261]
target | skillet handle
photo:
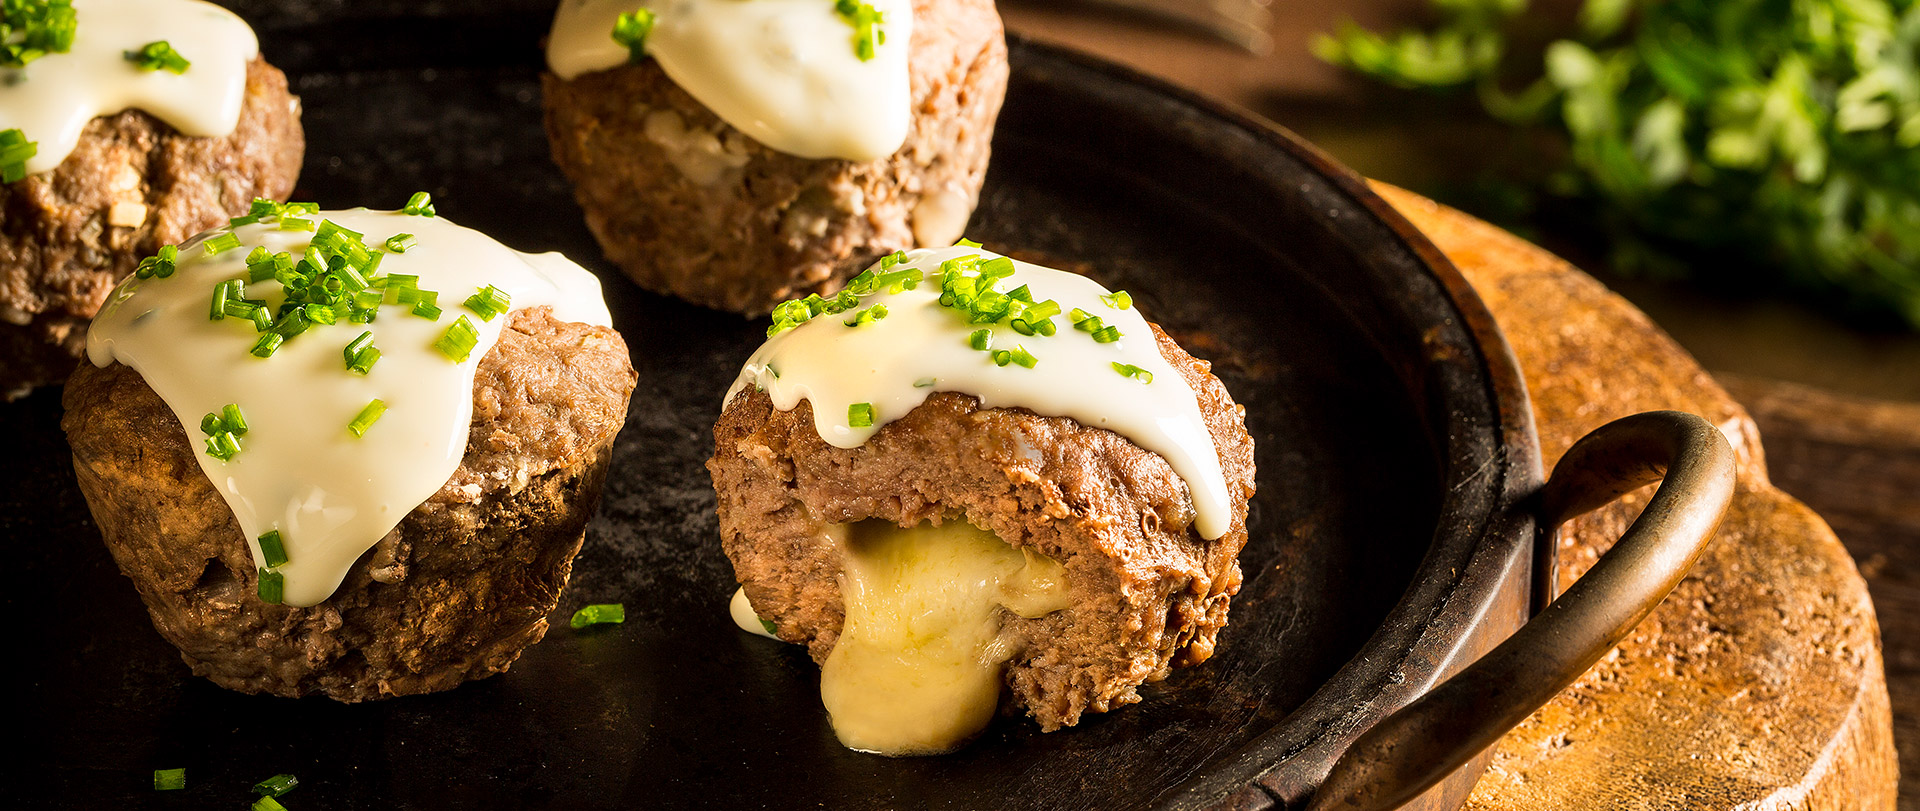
[1422, 743]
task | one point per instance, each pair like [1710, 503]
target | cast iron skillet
[1393, 536]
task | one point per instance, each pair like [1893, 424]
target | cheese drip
[921, 347]
[331, 495]
[782, 71]
[918, 667]
[53, 97]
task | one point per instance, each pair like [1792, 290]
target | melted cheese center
[921, 347]
[917, 669]
[782, 71]
[53, 97]
[331, 495]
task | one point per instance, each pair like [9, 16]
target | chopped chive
[1106, 335]
[1119, 300]
[459, 340]
[262, 321]
[925, 382]
[630, 31]
[221, 243]
[367, 417]
[966, 243]
[600, 614]
[233, 420]
[217, 309]
[866, 22]
[426, 309]
[1021, 356]
[419, 205]
[15, 151]
[273, 587]
[321, 314]
[223, 446]
[1020, 327]
[268, 344]
[210, 424]
[769, 627]
[273, 550]
[169, 779]
[489, 302]
[868, 315]
[1021, 293]
[399, 243]
[276, 785]
[364, 360]
[296, 224]
[158, 56]
[267, 804]
[981, 339]
[860, 415]
[354, 346]
[1135, 372]
[1002, 357]
[161, 264]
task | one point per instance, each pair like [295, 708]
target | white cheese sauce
[331, 495]
[782, 71]
[53, 97]
[921, 347]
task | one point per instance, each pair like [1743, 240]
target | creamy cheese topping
[917, 669]
[53, 97]
[331, 495]
[921, 347]
[782, 71]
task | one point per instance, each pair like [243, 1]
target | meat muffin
[192, 150]
[1043, 452]
[725, 177]
[327, 527]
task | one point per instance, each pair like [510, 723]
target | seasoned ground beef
[132, 185]
[453, 593]
[1148, 594]
[690, 206]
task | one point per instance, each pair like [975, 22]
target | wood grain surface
[1758, 684]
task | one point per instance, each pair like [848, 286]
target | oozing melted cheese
[782, 71]
[53, 97]
[918, 667]
[331, 495]
[921, 347]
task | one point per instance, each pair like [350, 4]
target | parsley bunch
[1783, 138]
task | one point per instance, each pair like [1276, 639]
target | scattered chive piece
[427, 310]
[353, 347]
[966, 243]
[158, 56]
[276, 785]
[367, 417]
[1135, 372]
[981, 339]
[1119, 300]
[489, 302]
[15, 150]
[868, 315]
[419, 205]
[600, 614]
[866, 22]
[217, 308]
[1024, 358]
[1002, 357]
[1106, 335]
[322, 314]
[169, 779]
[233, 420]
[459, 340]
[210, 424]
[44, 27]
[221, 243]
[296, 224]
[268, 344]
[925, 382]
[364, 360]
[631, 29]
[768, 627]
[267, 804]
[273, 550]
[223, 446]
[399, 243]
[860, 415]
[273, 587]
[161, 264]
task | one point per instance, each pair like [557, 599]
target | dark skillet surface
[676, 708]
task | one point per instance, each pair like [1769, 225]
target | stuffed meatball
[348, 453]
[739, 154]
[966, 475]
[125, 125]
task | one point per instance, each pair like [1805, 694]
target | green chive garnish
[925, 382]
[1119, 300]
[981, 339]
[169, 779]
[158, 56]
[221, 243]
[296, 224]
[1106, 335]
[210, 424]
[459, 340]
[1024, 358]
[768, 627]
[600, 614]
[267, 804]
[419, 205]
[399, 243]
[966, 243]
[868, 315]
[15, 151]
[364, 360]
[160, 265]
[427, 310]
[35, 29]
[1135, 372]
[631, 29]
[367, 417]
[223, 446]
[489, 302]
[233, 420]
[276, 785]
[273, 550]
[268, 344]
[866, 22]
[860, 415]
[273, 587]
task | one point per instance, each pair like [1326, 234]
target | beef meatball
[690, 206]
[1147, 593]
[453, 593]
[132, 185]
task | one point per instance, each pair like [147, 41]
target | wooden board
[1759, 683]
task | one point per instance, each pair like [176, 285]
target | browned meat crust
[770, 226]
[453, 593]
[60, 249]
[1148, 594]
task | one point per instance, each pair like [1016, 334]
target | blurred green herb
[1780, 136]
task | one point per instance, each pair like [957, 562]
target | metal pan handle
[1416, 747]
